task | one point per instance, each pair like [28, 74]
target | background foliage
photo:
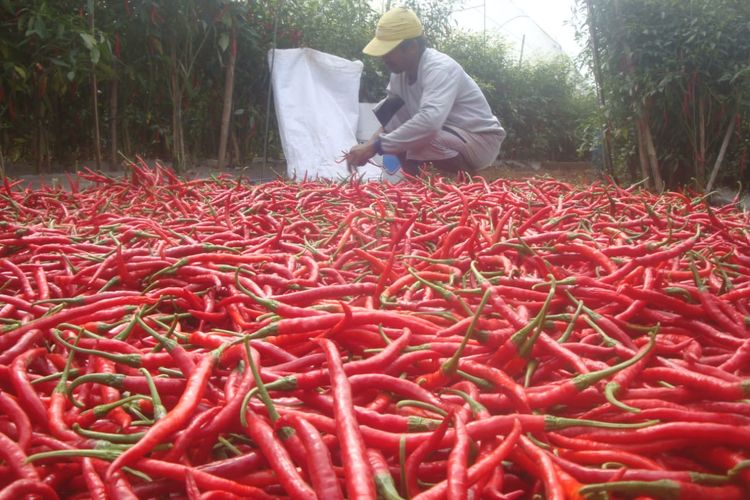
[675, 79]
[159, 68]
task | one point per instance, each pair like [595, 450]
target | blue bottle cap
[391, 163]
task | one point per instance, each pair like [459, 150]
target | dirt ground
[573, 172]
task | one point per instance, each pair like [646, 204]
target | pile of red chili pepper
[212, 338]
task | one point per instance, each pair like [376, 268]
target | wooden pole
[701, 163]
[270, 89]
[599, 80]
[226, 114]
[95, 92]
[722, 152]
[113, 124]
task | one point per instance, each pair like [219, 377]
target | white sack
[317, 106]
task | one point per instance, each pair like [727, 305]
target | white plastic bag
[317, 105]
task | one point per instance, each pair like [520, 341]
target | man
[433, 112]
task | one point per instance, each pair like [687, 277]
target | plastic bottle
[391, 163]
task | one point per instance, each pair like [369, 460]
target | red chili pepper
[20, 419]
[85, 311]
[483, 429]
[543, 467]
[180, 414]
[110, 395]
[369, 417]
[132, 383]
[14, 456]
[20, 345]
[420, 454]
[318, 255]
[604, 456]
[395, 240]
[676, 489]
[28, 291]
[314, 378]
[569, 388]
[458, 475]
[24, 488]
[502, 381]
[698, 432]
[482, 467]
[196, 430]
[24, 390]
[383, 479]
[708, 387]
[94, 483]
[734, 463]
[623, 379]
[319, 464]
[359, 479]
[262, 433]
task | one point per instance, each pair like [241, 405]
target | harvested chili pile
[216, 339]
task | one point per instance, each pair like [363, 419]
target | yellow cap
[394, 27]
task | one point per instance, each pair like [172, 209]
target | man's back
[444, 82]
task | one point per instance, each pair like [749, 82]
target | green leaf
[41, 28]
[95, 54]
[20, 72]
[224, 42]
[157, 45]
[88, 40]
[664, 82]
[29, 24]
[71, 75]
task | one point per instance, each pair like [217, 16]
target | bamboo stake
[652, 157]
[95, 98]
[113, 124]
[722, 152]
[228, 91]
[599, 81]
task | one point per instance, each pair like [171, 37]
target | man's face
[399, 59]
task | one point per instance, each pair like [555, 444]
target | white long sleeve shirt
[442, 95]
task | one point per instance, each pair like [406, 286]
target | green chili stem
[231, 447]
[160, 410]
[476, 406]
[54, 376]
[525, 350]
[133, 360]
[423, 405]
[450, 366]
[571, 326]
[107, 436]
[444, 292]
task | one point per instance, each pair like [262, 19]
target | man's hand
[359, 155]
